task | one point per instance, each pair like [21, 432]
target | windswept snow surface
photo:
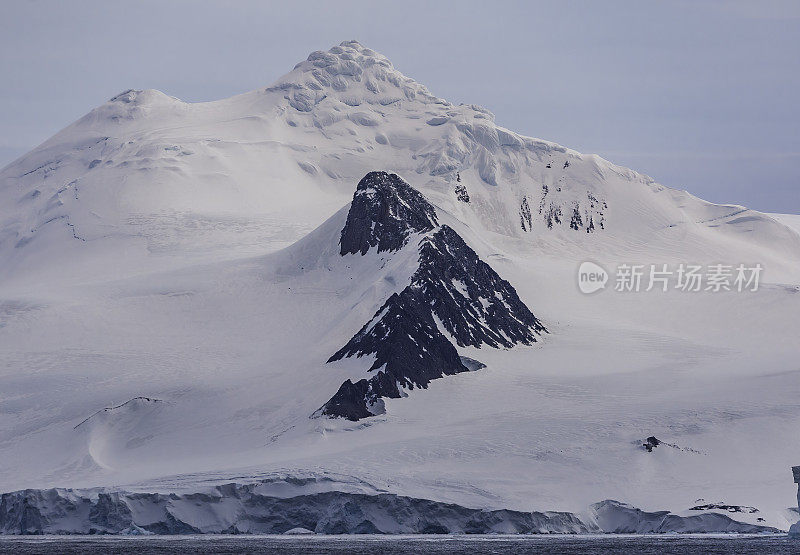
[180, 263]
[791, 220]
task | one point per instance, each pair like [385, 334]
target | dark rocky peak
[409, 350]
[384, 212]
[451, 291]
[475, 305]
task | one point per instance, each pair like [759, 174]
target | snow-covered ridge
[133, 405]
[149, 180]
[353, 74]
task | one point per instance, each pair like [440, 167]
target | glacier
[248, 509]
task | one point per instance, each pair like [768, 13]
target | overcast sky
[703, 96]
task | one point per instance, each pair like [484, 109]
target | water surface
[654, 544]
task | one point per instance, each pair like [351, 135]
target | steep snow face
[147, 182]
[620, 518]
[254, 509]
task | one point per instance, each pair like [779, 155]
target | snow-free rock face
[475, 305]
[409, 350]
[384, 211]
[452, 292]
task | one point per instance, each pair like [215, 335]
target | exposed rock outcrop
[452, 292]
[384, 212]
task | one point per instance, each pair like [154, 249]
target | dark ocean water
[663, 544]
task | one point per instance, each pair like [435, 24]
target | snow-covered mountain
[147, 181]
[192, 294]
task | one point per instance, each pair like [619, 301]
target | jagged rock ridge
[384, 211]
[452, 290]
[410, 351]
[475, 305]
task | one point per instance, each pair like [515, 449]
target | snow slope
[147, 181]
[147, 267]
[790, 220]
